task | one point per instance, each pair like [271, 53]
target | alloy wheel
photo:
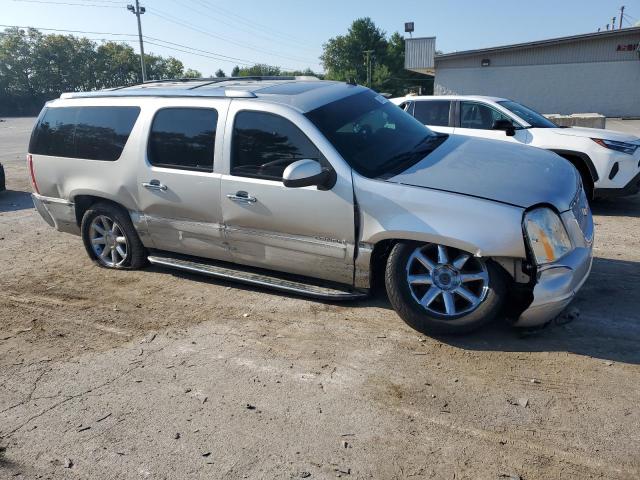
[446, 281]
[108, 241]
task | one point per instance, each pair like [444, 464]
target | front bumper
[58, 213]
[557, 283]
[630, 188]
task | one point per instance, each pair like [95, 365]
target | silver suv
[316, 188]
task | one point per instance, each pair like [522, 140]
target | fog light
[614, 171]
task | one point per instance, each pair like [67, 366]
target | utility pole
[368, 63]
[621, 16]
[613, 23]
[137, 11]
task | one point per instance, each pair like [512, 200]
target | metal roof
[302, 93]
[542, 43]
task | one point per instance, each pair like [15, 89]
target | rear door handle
[242, 197]
[154, 185]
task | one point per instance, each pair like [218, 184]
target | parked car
[608, 161]
[316, 188]
[2, 179]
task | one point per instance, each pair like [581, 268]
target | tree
[220, 73]
[260, 70]
[191, 73]
[344, 56]
[344, 59]
[35, 68]
[236, 71]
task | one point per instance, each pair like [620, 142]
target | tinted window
[374, 136]
[93, 133]
[479, 116]
[183, 138]
[432, 112]
[265, 144]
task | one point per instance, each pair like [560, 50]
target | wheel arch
[581, 161]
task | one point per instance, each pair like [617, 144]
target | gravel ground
[154, 374]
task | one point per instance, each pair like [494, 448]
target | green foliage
[220, 73]
[344, 59]
[35, 68]
[236, 71]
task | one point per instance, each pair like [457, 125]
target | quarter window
[264, 145]
[91, 133]
[479, 116]
[432, 112]
[183, 138]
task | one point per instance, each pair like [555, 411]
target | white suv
[608, 161]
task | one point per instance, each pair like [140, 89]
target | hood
[495, 170]
[595, 133]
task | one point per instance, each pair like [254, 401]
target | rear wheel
[442, 290]
[110, 238]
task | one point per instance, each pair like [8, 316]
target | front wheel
[442, 290]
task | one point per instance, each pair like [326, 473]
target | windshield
[373, 135]
[532, 117]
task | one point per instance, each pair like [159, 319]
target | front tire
[442, 290]
[111, 239]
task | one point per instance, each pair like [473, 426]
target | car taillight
[32, 173]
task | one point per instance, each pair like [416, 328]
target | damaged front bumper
[558, 282]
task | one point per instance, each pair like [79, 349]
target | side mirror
[505, 125]
[305, 173]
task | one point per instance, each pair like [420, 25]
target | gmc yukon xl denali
[315, 188]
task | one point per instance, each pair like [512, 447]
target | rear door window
[264, 145]
[183, 138]
[432, 112]
[91, 133]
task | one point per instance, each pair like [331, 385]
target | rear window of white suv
[90, 133]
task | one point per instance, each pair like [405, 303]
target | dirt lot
[155, 375]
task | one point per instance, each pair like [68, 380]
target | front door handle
[154, 185]
[242, 197]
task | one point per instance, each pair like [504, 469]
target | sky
[290, 33]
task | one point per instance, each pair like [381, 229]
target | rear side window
[183, 138]
[91, 133]
[264, 145]
[432, 112]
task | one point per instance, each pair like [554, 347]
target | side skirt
[257, 277]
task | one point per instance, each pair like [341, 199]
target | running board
[260, 279]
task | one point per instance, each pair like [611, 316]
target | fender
[484, 228]
[583, 156]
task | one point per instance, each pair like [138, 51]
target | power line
[201, 53]
[165, 16]
[49, 2]
[246, 21]
[274, 37]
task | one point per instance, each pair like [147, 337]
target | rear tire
[110, 238]
[432, 288]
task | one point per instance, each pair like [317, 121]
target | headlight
[547, 236]
[623, 147]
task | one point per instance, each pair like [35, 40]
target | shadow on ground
[608, 326]
[617, 207]
[13, 200]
